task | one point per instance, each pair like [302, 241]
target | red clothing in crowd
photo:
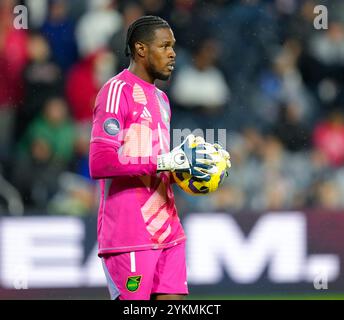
[329, 138]
[82, 88]
[13, 58]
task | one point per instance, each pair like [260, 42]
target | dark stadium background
[261, 69]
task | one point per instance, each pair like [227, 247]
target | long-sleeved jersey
[130, 128]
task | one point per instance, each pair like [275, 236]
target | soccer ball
[195, 186]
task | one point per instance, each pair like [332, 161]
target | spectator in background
[80, 163]
[290, 129]
[292, 88]
[322, 64]
[299, 23]
[84, 81]
[13, 57]
[154, 7]
[42, 79]
[282, 84]
[45, 151]
[131, 12]
[187, 21]
[245, 181]
[59, 29]
[82, 85]
[227, 198]
[249, 32]
[327, 195]
[201, 86]
[97, 26]
[328, 46]
[56, 128]
[328, 138]
[275, 187]
[38, 11]
[76, 196]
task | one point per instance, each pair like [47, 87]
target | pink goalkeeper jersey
[130, 128]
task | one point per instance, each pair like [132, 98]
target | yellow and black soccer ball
[195, 186]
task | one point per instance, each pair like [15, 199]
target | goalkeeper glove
[193, 156]
[225, 154]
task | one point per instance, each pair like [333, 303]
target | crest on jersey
[133, 283]
[111, 126]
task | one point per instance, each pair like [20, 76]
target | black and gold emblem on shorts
[133, 283]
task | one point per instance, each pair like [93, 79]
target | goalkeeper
[141, 240]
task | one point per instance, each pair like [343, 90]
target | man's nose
[172, 54]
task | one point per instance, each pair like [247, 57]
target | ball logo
[179, 158]
[111, 127]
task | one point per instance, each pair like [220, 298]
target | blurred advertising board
[274, 252]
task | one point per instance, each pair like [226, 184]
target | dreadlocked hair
[142, 29]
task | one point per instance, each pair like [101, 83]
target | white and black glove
[193, 156]
[224, 154]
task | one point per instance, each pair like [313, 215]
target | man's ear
[140, 49]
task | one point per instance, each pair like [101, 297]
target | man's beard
[157, 75]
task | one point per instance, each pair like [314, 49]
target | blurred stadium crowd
[258, 68]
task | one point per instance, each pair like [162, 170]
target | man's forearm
[105, 161]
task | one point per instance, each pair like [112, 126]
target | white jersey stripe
[132, 262]
[147, 111]
[165, 234]
[109, 95]
[119, 96]
[160, 138]
[114, 95]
